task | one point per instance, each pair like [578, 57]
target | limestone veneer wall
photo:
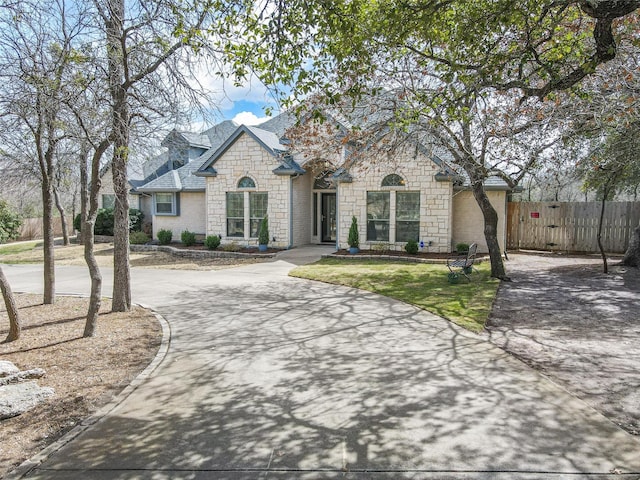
[302, 209]
[468, 222]
[246, 158]
[419, 174]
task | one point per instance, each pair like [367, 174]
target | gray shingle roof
[279, 124]
[268, 140]
[183, 176]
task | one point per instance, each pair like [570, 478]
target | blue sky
[249, 112]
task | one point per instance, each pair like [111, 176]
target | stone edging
[186, 253]
[28, 465]
[396, 258]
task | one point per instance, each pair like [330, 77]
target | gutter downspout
[291, 210]
[337, 217]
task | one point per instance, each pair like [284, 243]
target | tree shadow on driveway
[300, 380]
[578, 326]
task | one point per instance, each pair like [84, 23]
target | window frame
[399, 221]
[112, 200]
[235, 218]
[373, 223]
[173, 203]
[256, 219]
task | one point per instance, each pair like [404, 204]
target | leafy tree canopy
[534, 46]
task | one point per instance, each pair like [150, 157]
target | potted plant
[354, 236]
[263, 235]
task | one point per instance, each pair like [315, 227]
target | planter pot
[262, 248]
[453, 278]
[353, 250]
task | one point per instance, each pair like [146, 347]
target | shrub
[164, 236]
[380, 247]
[212, 242]
[231, 247]
[411, 247]
[104, 222]
[135, 220]
[188, 238]
[354, 236]
[263, 235]
[462, 247]
[138, 238]
[10, 223]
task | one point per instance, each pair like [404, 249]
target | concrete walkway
[272, 377]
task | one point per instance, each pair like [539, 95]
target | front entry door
[328, 219]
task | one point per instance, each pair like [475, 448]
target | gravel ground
[84, 372]
[578, 326]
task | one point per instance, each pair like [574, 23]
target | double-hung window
[108, 200]
[235, 214]
[407, 216]
[257, 211]
[165, 204]
[245, 210]
[378, 213]
[393, 215]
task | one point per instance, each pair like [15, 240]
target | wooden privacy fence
[32, 228]
[570, 226]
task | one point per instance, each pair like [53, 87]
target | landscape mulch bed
[393, 253]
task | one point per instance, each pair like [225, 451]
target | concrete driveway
[271, 377]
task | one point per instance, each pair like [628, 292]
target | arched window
[246, 182]
[393, 180]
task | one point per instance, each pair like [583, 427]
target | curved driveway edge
[269, 376]
[25, 467]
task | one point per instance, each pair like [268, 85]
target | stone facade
[192, 216]
[246, 158]
[468, 222]
[419, 172]
[302, 209]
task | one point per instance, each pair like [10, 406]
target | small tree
[354, 236]
[10, 223]
[263, 235]
[12, 309]
[611, 169]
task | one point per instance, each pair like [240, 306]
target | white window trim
[173, 205]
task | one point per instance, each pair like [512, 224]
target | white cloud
[248, 118]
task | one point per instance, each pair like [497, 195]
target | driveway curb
[28, 465]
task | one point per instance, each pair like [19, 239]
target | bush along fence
[570, 226]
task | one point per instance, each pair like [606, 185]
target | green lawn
[14, 248]
[422, 285]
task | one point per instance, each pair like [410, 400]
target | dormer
[183, 147]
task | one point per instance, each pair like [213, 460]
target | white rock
[7, 368]
[18, 398]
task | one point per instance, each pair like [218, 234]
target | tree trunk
[84, 195]
[121, 301]
[95, 298]
[632, 255]
[605, 265]
[490, 230]
[90, 206]
[12, 310]
[48, 243]
[63, 221]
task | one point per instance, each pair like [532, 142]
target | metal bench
[462, 264]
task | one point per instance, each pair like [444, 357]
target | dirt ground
[84, 372]
[576, 325]
[73, 255]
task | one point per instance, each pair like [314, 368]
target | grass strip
[424, 285]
